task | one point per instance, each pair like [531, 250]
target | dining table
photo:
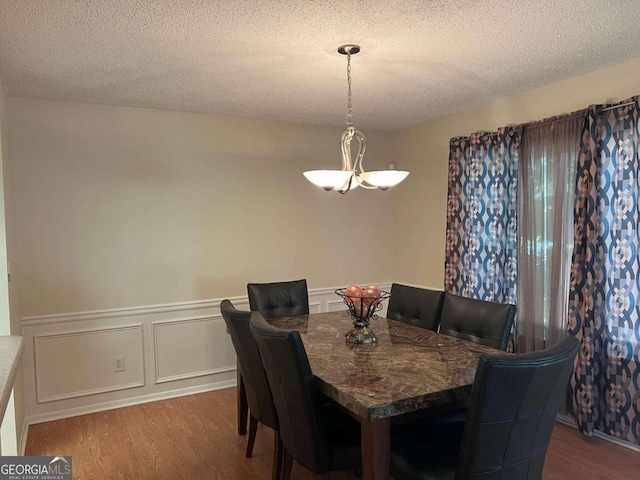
[408, 374]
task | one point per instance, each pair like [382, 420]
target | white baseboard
[22, 446]
[570, 421]
[127, 402]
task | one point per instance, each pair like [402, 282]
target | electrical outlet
[118, 363]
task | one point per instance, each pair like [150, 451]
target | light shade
[383, 179]
[329, 179]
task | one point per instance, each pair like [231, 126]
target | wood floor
[195, 437]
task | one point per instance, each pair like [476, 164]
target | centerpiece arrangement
[362, 305]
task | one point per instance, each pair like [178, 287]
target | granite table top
[409, 369]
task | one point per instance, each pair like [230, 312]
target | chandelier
[353, 173]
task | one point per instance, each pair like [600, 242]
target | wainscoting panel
[169, 350]
[336, 305]
[191, 348]
[81, 363]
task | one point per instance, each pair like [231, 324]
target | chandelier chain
[349, 116]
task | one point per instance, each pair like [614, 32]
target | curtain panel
[481, 242]
[604, 303]
[545, 228]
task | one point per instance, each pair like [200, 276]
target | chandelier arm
[362, 146]
[358, 166]
[347, 186]
[345, 145]
[364, 184]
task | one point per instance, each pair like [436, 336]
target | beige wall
[121, 207]
[420, 203]
[9, 213]
[9, 311]
[6, 327]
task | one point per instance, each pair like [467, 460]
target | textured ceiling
[277, 59]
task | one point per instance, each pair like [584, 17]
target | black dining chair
[512, 411]
[314, 431]
[279, 299]
[487, 323]
[258, 392]
[416, 306]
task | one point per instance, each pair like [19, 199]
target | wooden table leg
[243, 406]
[376, 448]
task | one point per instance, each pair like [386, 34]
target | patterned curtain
[604, 301]
[481, 244]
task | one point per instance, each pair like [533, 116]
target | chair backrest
[512, 411]
[415, 306]
[255, 378]
[479, 321]
[279, 299]
[294, 393]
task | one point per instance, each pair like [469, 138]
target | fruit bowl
[362, 305]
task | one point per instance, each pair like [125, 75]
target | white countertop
[10, 356]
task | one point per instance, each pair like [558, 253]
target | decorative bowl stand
[362, 310]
